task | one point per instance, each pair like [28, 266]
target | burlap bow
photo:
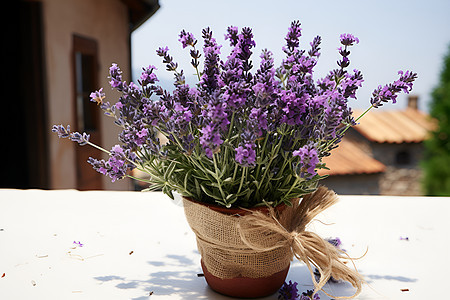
[288, 228]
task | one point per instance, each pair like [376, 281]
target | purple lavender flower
[61, 131]
[293, 36]
[81, 138]
[210, 140]
[308, 160]
[232, 35]
[293, 106]
[389, 91]
[216, 112]
[115, 74]
[350, 84]
[348, 39]
[216, 119]
[117, 165]
[148, 77]
[245, 155]
[315, 46]
[258, 116]
[211, 69]
[79, 244]
[235, 89]
[288, 291]
[309, 295]
[98, 96]
[187, 39]
[335, 242]
[171, 66]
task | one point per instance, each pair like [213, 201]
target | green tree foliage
[437, 149]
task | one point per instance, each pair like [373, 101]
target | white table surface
[138, 243]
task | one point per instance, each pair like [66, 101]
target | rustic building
[384, 156]
[65, 49]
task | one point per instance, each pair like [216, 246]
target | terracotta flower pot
[239, 286]
[244, 287]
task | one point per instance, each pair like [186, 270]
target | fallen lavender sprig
[79, 244]
[289, 291]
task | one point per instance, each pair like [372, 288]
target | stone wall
[403, 174]
[358, 184]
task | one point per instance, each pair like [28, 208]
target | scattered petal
[79, 244]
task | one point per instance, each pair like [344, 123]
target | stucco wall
[107, 22]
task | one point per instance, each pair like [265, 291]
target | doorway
[87, 117]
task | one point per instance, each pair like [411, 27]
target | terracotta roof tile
[348, 159]
[395, 126]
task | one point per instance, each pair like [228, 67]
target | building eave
[140, 11]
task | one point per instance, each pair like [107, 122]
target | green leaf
[210, 194]
[186, 178]
[169, 171]
[228, 180]
[197, 188]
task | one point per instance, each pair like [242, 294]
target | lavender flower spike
[80, 138]
[309, 295]
[187, 39]
[62, 132]
[348, 39]
[98, 96]
[389, 91]
[115, 74]
[294, 33]
[308, 160]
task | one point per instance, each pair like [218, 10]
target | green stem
[263, 150]
[139, 179]
[98, 147]
[357, 119]
[242, 179]
[216, 169]
[286, 197]
[365, 112]
[274, 154]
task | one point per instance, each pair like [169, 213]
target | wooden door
[87, 114]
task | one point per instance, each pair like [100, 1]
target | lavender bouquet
[238, 137]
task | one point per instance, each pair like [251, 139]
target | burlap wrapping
[260, 244]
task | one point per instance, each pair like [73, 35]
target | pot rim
[239, 211]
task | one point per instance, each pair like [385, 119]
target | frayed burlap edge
[259, 244]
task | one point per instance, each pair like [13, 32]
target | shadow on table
[370, 278]
[176, 275]
[299, 273]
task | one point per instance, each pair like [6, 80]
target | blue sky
[394, 35]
